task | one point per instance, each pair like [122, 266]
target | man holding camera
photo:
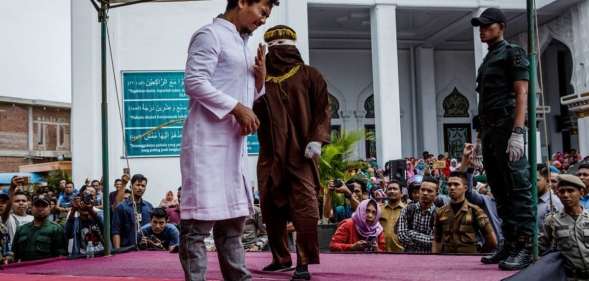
[158, 234]
[84, 225]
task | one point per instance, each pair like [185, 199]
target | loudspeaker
[395, 169]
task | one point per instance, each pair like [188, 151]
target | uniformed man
[502, 84]
[568, 229]
[41, 238]
[459, 223]
[391, 211]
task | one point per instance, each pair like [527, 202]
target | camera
[371, 241]
[87, 198]
[339, 183]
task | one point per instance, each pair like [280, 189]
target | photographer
[84, 226]
[362, 232]
[342, 199]
[158, 234]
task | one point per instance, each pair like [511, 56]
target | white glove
[313, 150]
[515, 147]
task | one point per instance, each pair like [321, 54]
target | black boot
[301, 273]
[521, 257]
[502, 253]
[274, 267]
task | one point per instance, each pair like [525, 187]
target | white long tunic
[219, 74]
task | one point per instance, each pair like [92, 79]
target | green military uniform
[570, 236]
[457, 231]
[33, 243]
[504, 64]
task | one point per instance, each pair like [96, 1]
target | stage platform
[151, 266]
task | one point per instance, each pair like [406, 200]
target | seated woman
[362, 232]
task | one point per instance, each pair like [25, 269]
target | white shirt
[219, 74]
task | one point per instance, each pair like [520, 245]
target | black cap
[41, 200]
[489, 16]
[4, 194]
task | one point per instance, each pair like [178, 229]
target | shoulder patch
[518, 56]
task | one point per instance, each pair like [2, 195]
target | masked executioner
[294, 124]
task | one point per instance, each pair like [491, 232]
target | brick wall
[13, 127]
[10, 164]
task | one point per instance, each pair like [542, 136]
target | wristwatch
[519, 130]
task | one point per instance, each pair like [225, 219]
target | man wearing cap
[502, 84]
[567, 230]
[294, 123]
[41, 238]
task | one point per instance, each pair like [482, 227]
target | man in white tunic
[222, 79]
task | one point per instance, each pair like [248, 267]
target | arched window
[456, 105]
[334, 103]
[369, 107]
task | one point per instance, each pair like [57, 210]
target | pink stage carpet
[150, 266]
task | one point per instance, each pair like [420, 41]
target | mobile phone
[26, 180]
[126, 171]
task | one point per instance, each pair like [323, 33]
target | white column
[426, 89]
[583, 124]
[385, 72]
[85, 113]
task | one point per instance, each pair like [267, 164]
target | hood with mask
[283, 55]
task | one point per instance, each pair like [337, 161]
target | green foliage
[335, 160]
[54, 177]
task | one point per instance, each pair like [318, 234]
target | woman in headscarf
[362, 232]
[454, 165]
[410, 171]
[169, 201]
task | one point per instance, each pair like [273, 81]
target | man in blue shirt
[64, 202]
[159, 234]
[131, 214]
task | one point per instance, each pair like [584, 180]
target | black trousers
[509, 181]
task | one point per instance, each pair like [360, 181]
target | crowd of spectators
[50, 222]
[439, 205]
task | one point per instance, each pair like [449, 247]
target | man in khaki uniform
[568, 229]
[391, 211]
[458, 223]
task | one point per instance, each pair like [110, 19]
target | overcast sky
[35, 50]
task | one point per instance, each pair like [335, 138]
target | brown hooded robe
[293, 112]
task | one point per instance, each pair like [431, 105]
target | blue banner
[155, 107]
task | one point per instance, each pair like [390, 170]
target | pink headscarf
[359, 218]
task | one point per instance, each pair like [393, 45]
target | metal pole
[102, 18]
[531, 7]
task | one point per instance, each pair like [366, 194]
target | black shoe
[520, 259]
[274, 267]
[301, 273]
[502, 253]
